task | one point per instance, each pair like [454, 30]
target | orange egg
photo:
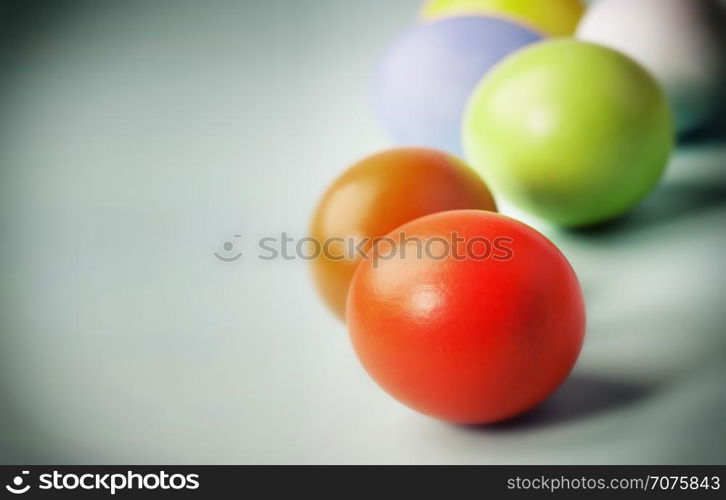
[377, 195]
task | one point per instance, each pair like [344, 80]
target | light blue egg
[424, 81]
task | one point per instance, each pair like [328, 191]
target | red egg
[467, 316]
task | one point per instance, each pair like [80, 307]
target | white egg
[679, 41]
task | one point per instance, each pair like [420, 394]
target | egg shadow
[670, 202]
[696, 188]
[580, 397]
[712, 132]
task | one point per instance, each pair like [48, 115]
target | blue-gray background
[137, 137]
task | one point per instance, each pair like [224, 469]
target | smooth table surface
[137, 137]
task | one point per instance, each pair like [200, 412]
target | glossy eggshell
[424, 80]
[552, 17]
[573, 132]
[380, 193]
[468, 341]
[680, 42]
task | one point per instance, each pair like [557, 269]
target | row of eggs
[573, 131]
[427, 77]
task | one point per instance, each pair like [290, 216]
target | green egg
[572, 132]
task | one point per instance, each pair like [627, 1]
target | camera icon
[17, 487]
[229, 254]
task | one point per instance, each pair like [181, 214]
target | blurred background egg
[679, 41]
[551, 17]
[426, 77]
